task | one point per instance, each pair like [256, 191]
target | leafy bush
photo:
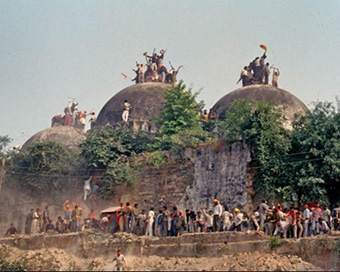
[274, 241]
[157, 159]
[45, 166]
[12, 266]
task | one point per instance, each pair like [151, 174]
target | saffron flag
[263, 47]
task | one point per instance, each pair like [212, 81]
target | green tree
[46, 166]
[110, 151]
[316, 140]
[4, 142]
[178, 116]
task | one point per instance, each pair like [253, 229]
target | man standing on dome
[266, 73]
[275, 77]
[263, 67]
[126, 111]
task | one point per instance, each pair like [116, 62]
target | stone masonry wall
[220, 172]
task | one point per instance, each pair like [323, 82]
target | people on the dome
[257, 72]
[266, 73]
[126, 111]
[276, 75]
[156, 71]
[205, 115]
[212, 115]
[93, 118]
[263, 66]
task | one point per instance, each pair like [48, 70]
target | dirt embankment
[54, 259]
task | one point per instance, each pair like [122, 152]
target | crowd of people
[73, 117]
[154, 70]
[258, 72]
[293, 222]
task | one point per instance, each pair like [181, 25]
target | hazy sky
[52, 50]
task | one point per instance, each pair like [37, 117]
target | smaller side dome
[64, 135]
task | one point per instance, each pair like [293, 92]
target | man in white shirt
[283, 225]
[226, 218]
[126, 111]
[217, 215]
[150, 219]
[306, 218]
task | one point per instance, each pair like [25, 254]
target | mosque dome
[65, 135]
[288, 103]
[146, 100]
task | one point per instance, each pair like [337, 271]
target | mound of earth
[54, 259]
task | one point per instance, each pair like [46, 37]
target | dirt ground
[54, 259]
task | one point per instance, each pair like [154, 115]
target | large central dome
[146, 100]
[288, 103]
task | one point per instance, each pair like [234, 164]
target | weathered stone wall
[220, 172]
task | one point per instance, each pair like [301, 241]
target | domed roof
[146, 100]
[289, 103]
[64, 135]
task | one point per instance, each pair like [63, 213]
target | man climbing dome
[120, 261]
[276, 75]
[126, 111]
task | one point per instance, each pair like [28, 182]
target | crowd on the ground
[293, 222]
[73, 117]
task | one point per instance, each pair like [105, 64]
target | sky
[53, 50]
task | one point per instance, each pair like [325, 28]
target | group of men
[38, 221]
[154, 69]
[258, 71]
[73, 117]
[273, 220]
[208, 116]
[309, 220]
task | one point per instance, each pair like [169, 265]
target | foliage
[258, 123]
[274, 241]
[305, 161]
[4, 142]
[111, 150]
[12, 266]
[104, 145]
[45, 166]
[188, 138]
[179, 114]
[157, 159]
[316, 140]
[116, 173]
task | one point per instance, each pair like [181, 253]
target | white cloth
[151, 216]
[218, 210]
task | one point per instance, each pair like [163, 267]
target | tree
[110, 151]
[4, 142]
[316, 140]
[179, 115]
[46, 166]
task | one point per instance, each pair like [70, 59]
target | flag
[263, 47]
[125, 76]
